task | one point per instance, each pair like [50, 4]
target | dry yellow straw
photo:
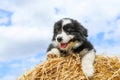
[69, 68]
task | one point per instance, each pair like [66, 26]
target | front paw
[51, 55]
[89, 73]
[54, 53]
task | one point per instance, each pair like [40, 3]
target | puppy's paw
[51, 55]
[54, 53]
[89, 73]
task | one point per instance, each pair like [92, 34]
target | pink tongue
[63, 45]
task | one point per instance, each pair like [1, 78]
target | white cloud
[116, 29]
[22, 41]
[31, 29]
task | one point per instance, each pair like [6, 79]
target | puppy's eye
[70, 30]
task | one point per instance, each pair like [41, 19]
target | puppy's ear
[54, 32]
[53, 39]
[82, 31]
[85, 32]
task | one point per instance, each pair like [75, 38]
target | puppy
[67, 31]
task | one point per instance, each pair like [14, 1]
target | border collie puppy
[67, 31]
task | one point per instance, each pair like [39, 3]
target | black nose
[59, 39]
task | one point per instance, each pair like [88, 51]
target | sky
[26, 29]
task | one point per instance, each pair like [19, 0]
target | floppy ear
[82, 31]
[85, 32]
[53, 39]
[54, 32]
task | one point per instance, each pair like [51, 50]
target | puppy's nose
[59, 39]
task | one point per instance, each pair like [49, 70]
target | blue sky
[5, 17]
[26, 29]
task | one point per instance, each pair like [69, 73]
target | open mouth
[63, 45]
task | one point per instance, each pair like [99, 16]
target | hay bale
[69, 68]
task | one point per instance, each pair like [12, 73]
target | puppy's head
[66, 31]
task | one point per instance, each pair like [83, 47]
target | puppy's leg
[53, 53]
[87, 63]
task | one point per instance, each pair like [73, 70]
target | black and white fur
[68, 30]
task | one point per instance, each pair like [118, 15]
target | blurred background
[26, 29]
